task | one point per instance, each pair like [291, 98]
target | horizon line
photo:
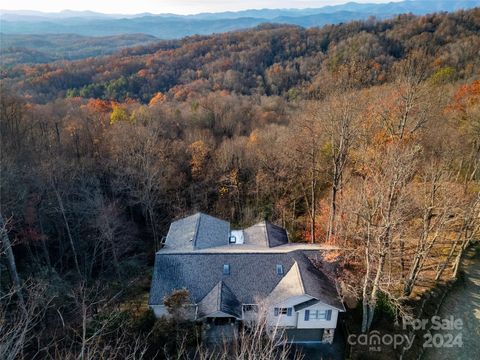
[203, 12]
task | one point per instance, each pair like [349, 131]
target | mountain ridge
[174, 26]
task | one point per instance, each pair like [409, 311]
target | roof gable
[182, 232]
[220, 299]
[277, 235]
[198, 231]
[211, 232]
[289, 286]
[316, 283]
[265, 234]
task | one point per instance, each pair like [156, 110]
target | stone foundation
[328, 335]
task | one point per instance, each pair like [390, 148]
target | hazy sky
[167, 6]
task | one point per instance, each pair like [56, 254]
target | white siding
[314, 323]
[249, 316]
[282, 320]
[190, 312]
[219, 314]
[159, 310]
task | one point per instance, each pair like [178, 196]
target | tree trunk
[366, 282]
[333, 212]
[313, 215]
[375, 290]
[447, 260]
[12, 266]
[44, 245]
[313, 189]
[67, 226]
[458, 260]
[407, 290]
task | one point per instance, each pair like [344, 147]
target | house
[230, 273]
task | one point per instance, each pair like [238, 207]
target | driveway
[463, 302]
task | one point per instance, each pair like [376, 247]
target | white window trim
[318, 315]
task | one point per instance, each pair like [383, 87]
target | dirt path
[463, 302]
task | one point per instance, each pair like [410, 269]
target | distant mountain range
[170, 26]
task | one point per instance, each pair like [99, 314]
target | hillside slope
[272, 60]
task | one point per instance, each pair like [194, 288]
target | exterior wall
[159, 310]
[190, 312]
[317, 324]
[283, 320]
[219, 314]
[296, 320]
[249, 316]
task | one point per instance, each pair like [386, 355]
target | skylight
[226, 269]
[279, 269]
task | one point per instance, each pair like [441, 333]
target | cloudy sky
[167, 6]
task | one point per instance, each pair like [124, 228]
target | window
[318, 315]
[279, 269]
[232, 239]
[226, 269]
[250, 307]
[282, 311]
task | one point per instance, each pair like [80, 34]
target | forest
[37, 49]
[364, 135]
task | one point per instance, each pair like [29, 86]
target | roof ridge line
[299, 274]
[259, 251]
[197, 225]
[267, 238]
[219, 304]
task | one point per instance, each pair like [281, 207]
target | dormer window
[279, 269]
[226, 269]
[232, 239]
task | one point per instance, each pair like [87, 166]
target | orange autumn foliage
[101, 106]
[158, 98]
[467, 95]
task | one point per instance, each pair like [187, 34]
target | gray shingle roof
[198, 231]
[197, 247]
[220, 298]
[252, 275]
[182, 232]
[265, 234]
[290, 285]
[277, 236]
[317, 284]
[256, 235]
[305, 304]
